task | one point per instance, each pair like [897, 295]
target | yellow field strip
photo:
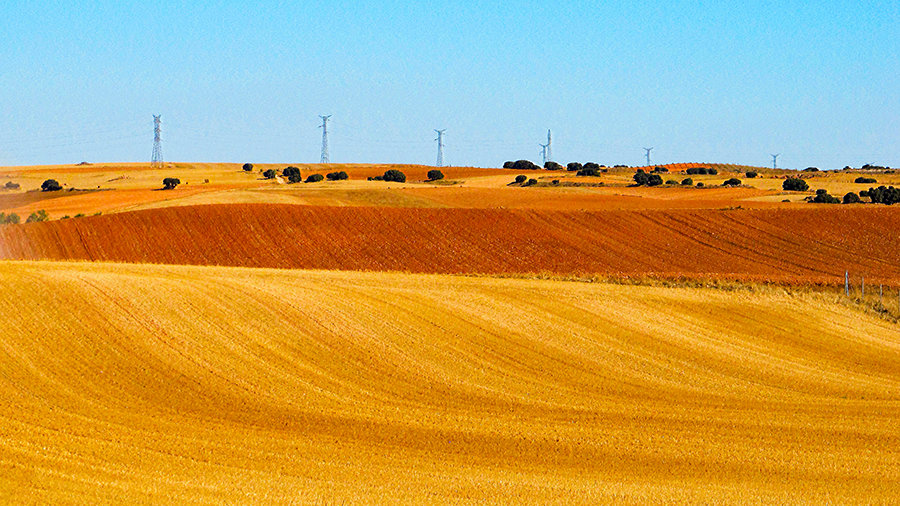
[137, 383]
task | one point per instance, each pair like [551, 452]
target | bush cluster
[811, 169]
[269, 174]
[248, 167]
[701, 171]
[751, 174]
[292, 174]
[337, 176]
[552, 166]
[38, 216]
[687, 181]
[521, 165]
[882, 195]
[644, 179]
[314, 178]
[732, 182]
[659, 170]
[170, 183]
[588, 172]
[865, 180]
[795, 184]
[574, 166]
[394, 175]
[822, 197]
[435, 175]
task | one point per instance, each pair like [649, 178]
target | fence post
[881, 294]
[847, 283]
[862, 285]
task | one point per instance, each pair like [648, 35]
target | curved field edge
[815, 245]
[143, 383]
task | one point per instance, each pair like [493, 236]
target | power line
[440, 147]
[156, 161]
[324, 128]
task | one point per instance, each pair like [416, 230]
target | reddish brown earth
[782, 245]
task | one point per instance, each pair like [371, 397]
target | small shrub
[552, 166]
[269, 174]
[588, 172]
[79, 215]
[574, 167]
[654, 180]
[712, 172]
[700, 184]
[750, 174]
[530, 182]
[732, 182]
[592, 165]
[337, 176]
[851, 198]
[394, 175]
[687, 181]
[671, 181]
[795, 184]
[435, 175]
[508, 165]
[375, 178]
[865, 180]
[555, 182]
[37, 216]
[659, 170]
[170, 183]
[9, 219]
[314, 178]
[11, 186]
[50, 185]
[521, 179]
[66, 217]
[811, 169]
[248, 167]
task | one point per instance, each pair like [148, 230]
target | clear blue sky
[246, 81]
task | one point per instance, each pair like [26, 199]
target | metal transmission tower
[549, 157]
[648, 150]
[775, 160]
[544, 152]
[440, 142]
[324, 128]
[156, 160]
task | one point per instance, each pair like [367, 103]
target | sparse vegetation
[170, 183]
[11, 186]
[795, 184]
[50, 185]
[9, 219]
[435, 175]
[37, 216]
[394, 175]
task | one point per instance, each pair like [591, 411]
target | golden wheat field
[140, 384]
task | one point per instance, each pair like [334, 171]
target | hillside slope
[815, 244]
[169, 383]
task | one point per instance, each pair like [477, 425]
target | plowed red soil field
[784, 245]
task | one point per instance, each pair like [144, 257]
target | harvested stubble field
[127, 383]
[813, 245]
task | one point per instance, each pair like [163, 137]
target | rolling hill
[138, 383]
[810, 245]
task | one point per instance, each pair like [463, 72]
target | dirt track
[816, 244]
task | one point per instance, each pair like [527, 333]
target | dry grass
[196, 384]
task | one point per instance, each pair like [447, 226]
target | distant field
[129, 187]
[816, 244]
[137, 384]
